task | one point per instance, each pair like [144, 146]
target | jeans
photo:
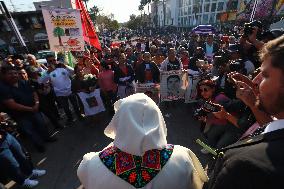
[33, 126]
[220, 136]
[13, 161]
[64, 102]
[48, 107]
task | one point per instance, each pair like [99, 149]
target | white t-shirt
[92, 102]
[61, 82]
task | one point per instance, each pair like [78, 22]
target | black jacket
[254, 163]
[118, 73]
[140, 72]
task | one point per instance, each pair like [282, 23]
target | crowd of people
[238, 80]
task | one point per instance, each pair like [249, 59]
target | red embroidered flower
[146, 175]
[132, 177]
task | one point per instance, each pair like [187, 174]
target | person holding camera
[217, 131]
[258, 162]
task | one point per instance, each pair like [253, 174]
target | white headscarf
[137, 126]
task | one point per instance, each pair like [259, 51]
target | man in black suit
[258, 162]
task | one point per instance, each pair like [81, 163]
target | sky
[121, 9]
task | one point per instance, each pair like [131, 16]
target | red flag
[89, 31]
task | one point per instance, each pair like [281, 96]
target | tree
[107, 22]
[94, 12]
[134, 22]
[58, 32]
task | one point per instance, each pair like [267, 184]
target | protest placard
[64, 29]
[150, 89]
[191, 89]
[173, 85]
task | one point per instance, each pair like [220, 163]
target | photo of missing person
[173, 85]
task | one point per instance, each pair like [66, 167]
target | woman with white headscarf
[139, 156]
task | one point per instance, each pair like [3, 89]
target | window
[185, 11]
[189, 10]
[196, 1]
[198, 20]
[220, 6]
[205, 19]
[213, 7]
[206, 7]
[212, 18]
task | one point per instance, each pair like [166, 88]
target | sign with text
[173, 85]
[150, 89]
[64, 29]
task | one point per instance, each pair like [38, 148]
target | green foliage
[134, 22]
[107, 22]
[58, 32]
[94, 12]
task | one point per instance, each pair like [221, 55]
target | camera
[206, 108]
[249, 27]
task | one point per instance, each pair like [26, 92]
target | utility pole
[13, 25]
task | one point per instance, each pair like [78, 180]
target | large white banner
[173, 85]
[64, 29]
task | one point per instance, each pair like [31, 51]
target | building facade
[32, 28]
[196, 12]
[190, 13]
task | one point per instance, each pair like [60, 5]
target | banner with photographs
[150, 89]
[64, 29]
[173, 85]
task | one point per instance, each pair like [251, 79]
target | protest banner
[64, 29]
[173, 85]
[150, 89]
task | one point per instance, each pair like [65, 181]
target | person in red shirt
[108, 87]
[185, 59]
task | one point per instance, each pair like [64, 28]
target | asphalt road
[63, 156]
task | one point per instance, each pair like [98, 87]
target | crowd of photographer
[223, 69]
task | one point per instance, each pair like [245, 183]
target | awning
[40, 37]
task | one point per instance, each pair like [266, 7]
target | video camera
[207, 107]
[249, 27]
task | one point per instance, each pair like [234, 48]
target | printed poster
[150, 89]
[173, 85]
[64, 29]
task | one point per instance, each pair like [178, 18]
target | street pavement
[63, 157]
